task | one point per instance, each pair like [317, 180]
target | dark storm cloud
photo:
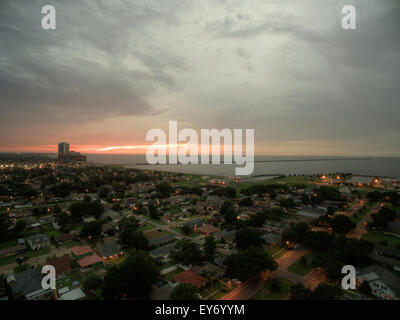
[76, 73]
[356, 95]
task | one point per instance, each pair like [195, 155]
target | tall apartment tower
[63, 150]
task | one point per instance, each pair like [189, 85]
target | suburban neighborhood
[118, 233]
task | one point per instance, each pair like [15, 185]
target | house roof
[109, 249]
[161, 240]
[388, 278]
[27, 282]
[190, 277]
[153, 234]
[209, 268]
[208, 228]
[89, 260]
[79, 250]
[74, 294]
[65, 237]
[163, 250]
[61, 264]
[38, 237]
[12, 249]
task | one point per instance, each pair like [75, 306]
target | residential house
[109, 250]
[28, 285]
[162, 253]
[384, 284]
[38, 241]
[207, 229]
[312, 212]
[74, 294]
[191, 277]
[209, 270]
[64, 238]
[227, 235]
[12, 250]
[61, 264]
[78, 252]
[164, 239]
[90, 261]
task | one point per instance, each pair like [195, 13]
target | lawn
[36, 253]
[70, 244]
[377, 238]
[174, 210]
[192, 234]
[301, 268]
[8, 244]
[146, 226]
[67, 281]
[170, 275]
[7, 260]
[275, 251]
[267, 292]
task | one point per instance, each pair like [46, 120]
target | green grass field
[302, 269]
[8, 244]
[276, 252]
[267, 292]
[377, 238]
[7, 260]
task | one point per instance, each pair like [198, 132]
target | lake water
[269, 165]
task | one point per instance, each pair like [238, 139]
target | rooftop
[89, 260]
[190, 277]
[80, 250]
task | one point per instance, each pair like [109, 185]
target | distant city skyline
[112, 71]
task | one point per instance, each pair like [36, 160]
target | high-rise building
[65, 155]
[63, 150]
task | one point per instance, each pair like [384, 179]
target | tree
[128, 223]
[246, 202]
[326, 292]
[342, 224]
[4, 225]
[19, 227]
[230, 216]
[246, 237]
[154, 213]
[185, 291]
[117, 207]
[164, 189]
[187, 252]
[133, 239]
[91, 230]
[103, 192]
[132, 279]
[92, 282]
[299, 292]
[186, 229]
[248, 263]
[275, 285]
[365, 288]
[258, 219]
[21, 260]
[209, 248]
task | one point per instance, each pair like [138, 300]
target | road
[251, 286]
[361, 227]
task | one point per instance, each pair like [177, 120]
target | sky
[112, 70]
